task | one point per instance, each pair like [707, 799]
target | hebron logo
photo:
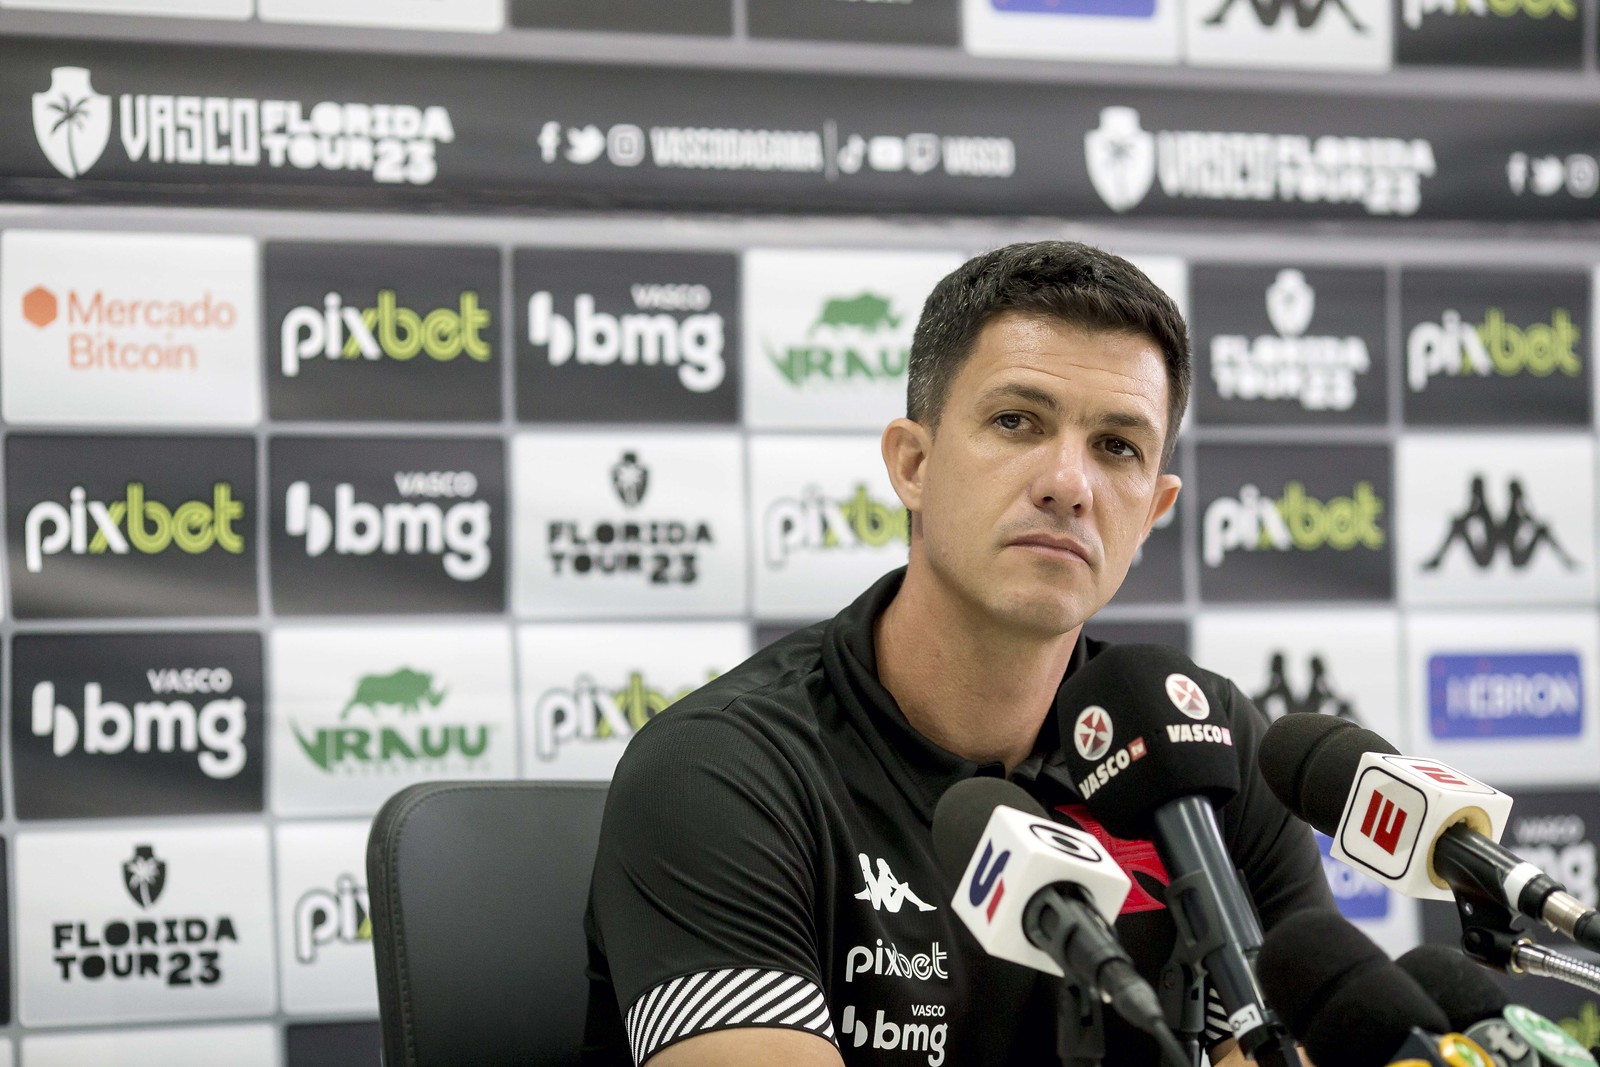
[1318, 372]
[1252, 522]
[1129, 9]
[986, 879]
[656, 333]
[1456, 348]
[106, 727]
[340, 332]
[1484, 534]
[852, 338]
[885, 891]
[1505, 694]
[912, 1037]
[459, 534]
[816, 523]
[134, 523]
[323, 917]
[890, 961]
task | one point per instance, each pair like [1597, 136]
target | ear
[906, 445]
[1166, 495]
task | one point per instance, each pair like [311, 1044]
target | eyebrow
[1125, 420]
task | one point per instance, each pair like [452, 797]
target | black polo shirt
[766, 859]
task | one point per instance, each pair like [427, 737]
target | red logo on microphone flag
[1383, 823]
[1138, 860]
[1446, 776]
[994, 902]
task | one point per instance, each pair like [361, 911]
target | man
[766, 890]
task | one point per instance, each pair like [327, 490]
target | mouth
[1055, 547]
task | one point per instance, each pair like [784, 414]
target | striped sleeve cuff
[1217, 1028]
[722, 1000]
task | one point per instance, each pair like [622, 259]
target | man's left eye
[1117, 446]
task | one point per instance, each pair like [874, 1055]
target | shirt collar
[920, 769]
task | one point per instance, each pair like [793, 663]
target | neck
[968, 686]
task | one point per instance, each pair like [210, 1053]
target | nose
[1062, 484]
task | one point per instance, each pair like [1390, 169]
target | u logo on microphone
[986, 876]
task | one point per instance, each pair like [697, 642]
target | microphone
[1348, 1003]
[1043, 895]
[1475, 1005]
[1152, 756]
[1419, 826]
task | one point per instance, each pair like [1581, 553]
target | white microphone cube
[1018, 855]
[1398, 807]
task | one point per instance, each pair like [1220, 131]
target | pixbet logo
[1414, 10]
[656, 333]
[1252, 522]
[136, 522]
[888, 960]
[458, 533]
[323, 917]
[106, 727]
[591, 712]
[388, 329]
[1319, 372]
[1456, 348]
[910, 1037]
[813, 523]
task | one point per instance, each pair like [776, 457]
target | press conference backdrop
[409, 390]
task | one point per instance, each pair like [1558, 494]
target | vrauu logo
[1381, 174]
[1252, 522]
[1505, 694]
[814, 523]
[340, 916]
[671, 326]
[857, 338]
[173, 950]
[337, 331]
[1319, 372]
[136, 335]
[415, 742]
[136, 523]
[106, 727]
[591, 712]
[1494, 347]
[458, 533]
[395, 143]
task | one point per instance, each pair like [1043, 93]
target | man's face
[1043, 478]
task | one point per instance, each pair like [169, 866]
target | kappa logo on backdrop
[885, 891]
[1307, 13]
[1381, 174]
[136, 523]
[852, 338]
[591, 712]
[1495, 347]
[395, 143]
[338, 916]
[1484, 535]
[815, 523]
[107, 727]
[1252, 522]
[175, 951]
[665, 551]
[1476, 696]
[416, 741]
[1278, 698]
[337, 331]
[672, 325]
[1319, 372]
[458, 533]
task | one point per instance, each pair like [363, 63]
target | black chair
[478, 892]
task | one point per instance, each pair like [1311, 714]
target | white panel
[247, 1046]
[324, 925]
[481, 16]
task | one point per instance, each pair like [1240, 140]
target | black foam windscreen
[1345, 1001]
[1462, 989]
[1309, 762]
[1142, 725]
[962, 813]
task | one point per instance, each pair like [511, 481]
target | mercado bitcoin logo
[170, 518]
[382, 332]
[1299, 521]
[1503, 348]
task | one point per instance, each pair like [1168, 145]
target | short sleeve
[704, 889]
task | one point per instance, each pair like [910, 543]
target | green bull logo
[853, 339]
[1253, 522]
[350, 748]
[588, 712]
[814, 523]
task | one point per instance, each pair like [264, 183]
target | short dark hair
[1064, 280]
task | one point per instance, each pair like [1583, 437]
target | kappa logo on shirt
[886, 892]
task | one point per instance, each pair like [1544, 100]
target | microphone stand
[1489, 936]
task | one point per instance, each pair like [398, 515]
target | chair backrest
[478, 892]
